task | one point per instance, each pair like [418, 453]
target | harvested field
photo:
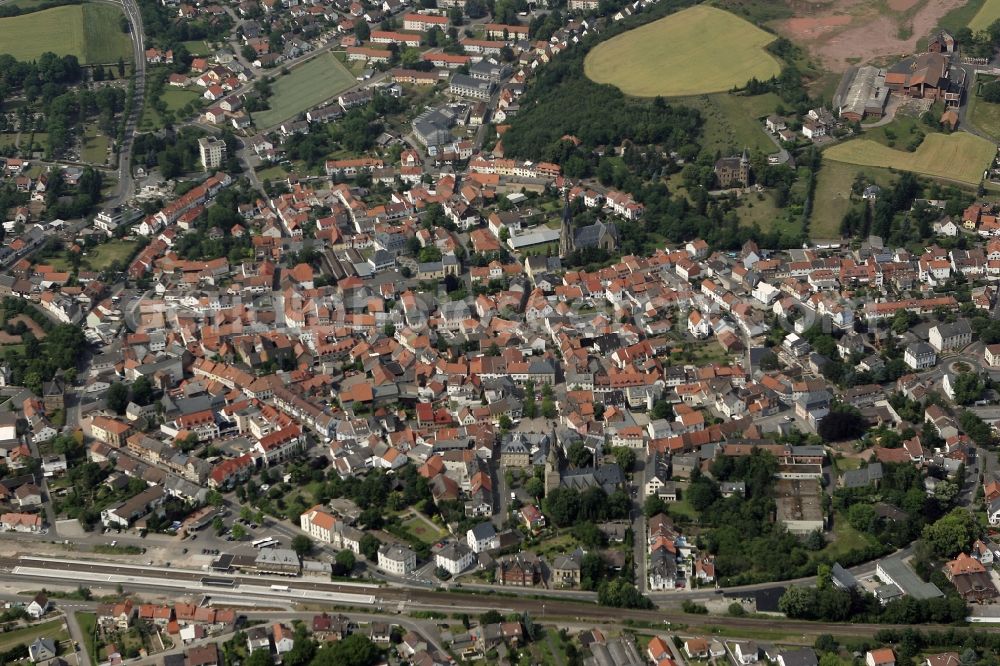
[958, 157]
[989, 12]
[704, 50]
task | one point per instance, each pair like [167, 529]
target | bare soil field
[846, 32]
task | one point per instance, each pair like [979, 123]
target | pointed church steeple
[567, 242]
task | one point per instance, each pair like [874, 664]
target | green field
[90, 32]
[960, 157]
[53, 629]
[319, 79]
[177, 99]
[733, 122]
[101, 257]
[987, 14]
[698, 50]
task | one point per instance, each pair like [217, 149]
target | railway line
[369, 596]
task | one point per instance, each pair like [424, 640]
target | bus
[279, 588]
[266, 542]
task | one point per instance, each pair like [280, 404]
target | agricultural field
[733, 122]
[104, 40]
[959, 157]
[987, 14]
[698, 50]
[90, 32]
[306, 86]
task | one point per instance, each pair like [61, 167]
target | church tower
[745, 168]
[553, 465]
[566, 232]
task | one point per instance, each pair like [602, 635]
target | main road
[124, 188]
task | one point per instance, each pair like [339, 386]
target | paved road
[123, 191]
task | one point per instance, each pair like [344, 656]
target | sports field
[987, 14]
[698, 50]
[961, 157]
[90, 32]
[319, 79]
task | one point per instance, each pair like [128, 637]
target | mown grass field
[698, 50]
[319, 79]
[987, 14]
[90, 32]
[833, 189]
[958, 157]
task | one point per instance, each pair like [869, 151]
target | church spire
[566, 233]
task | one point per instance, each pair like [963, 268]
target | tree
[117, 398]
[369, 547]
[302, 545]
[344, 563]
[239, 532]
[535, 487]
[842, 422]
[549, 408]
[142, 391]
[968, 387]
[625, 457]
[355, 650]
[952, 533]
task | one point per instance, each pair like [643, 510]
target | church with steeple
[596, 235]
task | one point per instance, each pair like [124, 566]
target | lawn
[698, 50]
[53, 629]
[90, 32]
[198, 48]
[833, 188]
[276, 172]
[960, 157]
[306, 86]
[987, 14]
[95, 146]
[176, 99]
[101, 257]
[423, 529]
[733, 122]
